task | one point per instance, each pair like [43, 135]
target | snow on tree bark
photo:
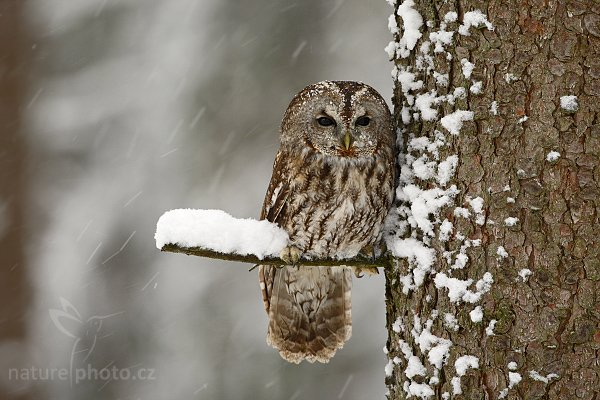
[539, 337]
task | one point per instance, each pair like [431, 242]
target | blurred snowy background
[114, 111]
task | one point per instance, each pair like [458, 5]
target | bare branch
[358, 261]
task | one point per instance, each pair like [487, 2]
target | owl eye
[325, 121]
[363, 121]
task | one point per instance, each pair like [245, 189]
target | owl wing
[273, 209]
[277, 192]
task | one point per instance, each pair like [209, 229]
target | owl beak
[347, 140]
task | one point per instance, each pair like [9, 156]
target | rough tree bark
[537, 52]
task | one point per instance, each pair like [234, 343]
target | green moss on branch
[358, 261]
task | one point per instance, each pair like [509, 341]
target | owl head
[340, 119]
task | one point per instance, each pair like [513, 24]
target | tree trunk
[534, 163]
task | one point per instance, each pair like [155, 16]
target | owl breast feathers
[331, 189]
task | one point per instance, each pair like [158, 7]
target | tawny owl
[331, 189]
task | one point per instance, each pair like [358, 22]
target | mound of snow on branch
[218, 231]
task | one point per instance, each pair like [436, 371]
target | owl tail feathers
[305, 326]
[315, 350]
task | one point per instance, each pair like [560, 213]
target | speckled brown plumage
[331, 189]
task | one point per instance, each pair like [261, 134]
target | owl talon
[290, 255]
[358, 271]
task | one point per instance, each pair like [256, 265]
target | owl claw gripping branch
[290, 255]
[331, 189]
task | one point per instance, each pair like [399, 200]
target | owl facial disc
[340, 119]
